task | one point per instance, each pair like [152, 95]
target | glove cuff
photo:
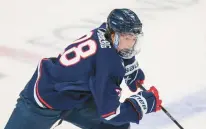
[136, 107]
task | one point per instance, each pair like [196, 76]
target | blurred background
[173, 54]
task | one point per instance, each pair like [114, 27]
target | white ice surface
[173, 52]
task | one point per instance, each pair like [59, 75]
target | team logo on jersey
[103, 42]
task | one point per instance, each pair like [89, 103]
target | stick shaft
[165, 111]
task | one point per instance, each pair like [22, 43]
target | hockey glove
[146, 102]
[133, 74]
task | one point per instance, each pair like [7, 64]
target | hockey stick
[164, 110]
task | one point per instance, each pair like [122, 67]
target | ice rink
[173, 54]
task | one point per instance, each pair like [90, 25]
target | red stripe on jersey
[37, 87]
[109, 114]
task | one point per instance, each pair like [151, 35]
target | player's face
[126, 41]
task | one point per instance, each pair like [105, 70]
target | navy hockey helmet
[123, 21]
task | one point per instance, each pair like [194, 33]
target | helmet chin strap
[116, 40]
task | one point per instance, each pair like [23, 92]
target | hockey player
[82, 85]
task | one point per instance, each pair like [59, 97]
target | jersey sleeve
[106, 91]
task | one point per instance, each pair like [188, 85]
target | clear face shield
[127, 44]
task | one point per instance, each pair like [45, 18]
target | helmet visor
[129, 44]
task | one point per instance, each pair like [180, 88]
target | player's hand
[146, 101]
[158, 100]
[133, 76]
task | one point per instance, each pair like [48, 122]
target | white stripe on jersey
[35, 95]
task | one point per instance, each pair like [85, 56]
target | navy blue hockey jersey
[89, 67]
